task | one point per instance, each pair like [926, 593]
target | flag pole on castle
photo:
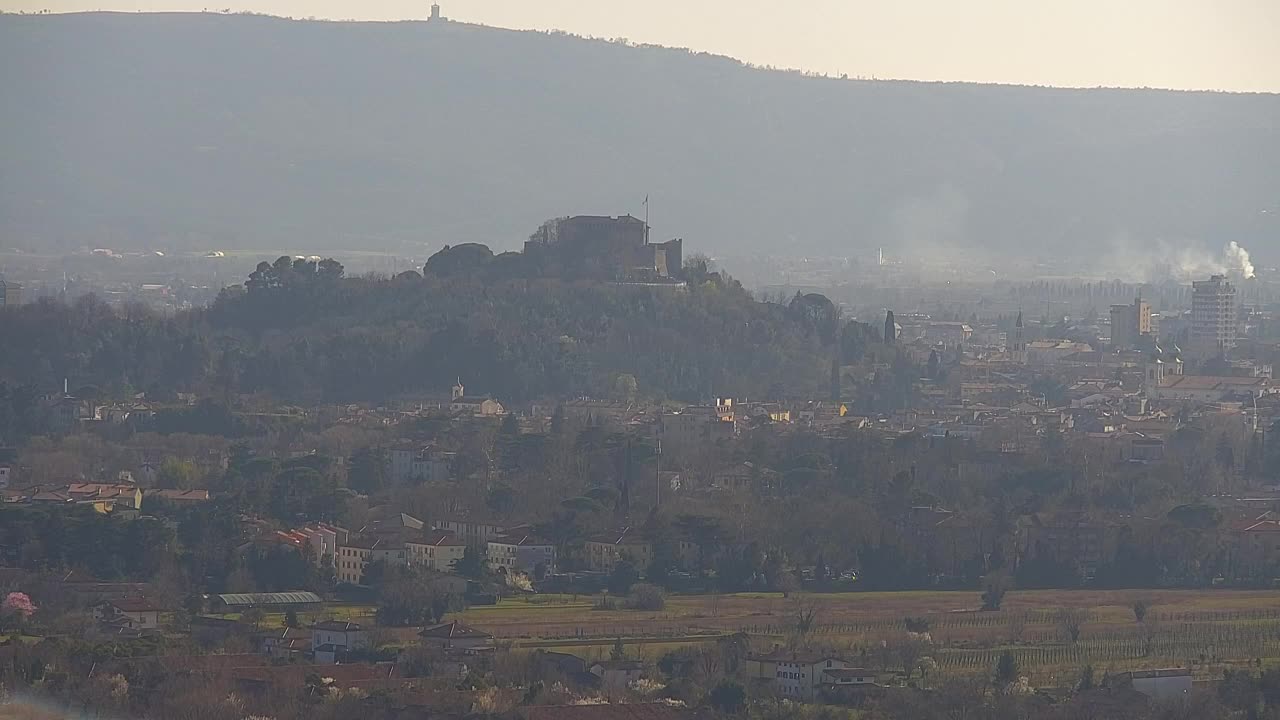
[646, 218]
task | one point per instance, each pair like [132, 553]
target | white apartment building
[1213, 317]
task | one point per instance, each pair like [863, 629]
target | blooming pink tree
[16, 603]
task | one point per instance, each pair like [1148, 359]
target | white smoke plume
[1237, 260]
[1161, 261]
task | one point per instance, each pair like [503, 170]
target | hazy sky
[1214, 44]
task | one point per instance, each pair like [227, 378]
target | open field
[16, 709]
[1205, 630]
[556, 616]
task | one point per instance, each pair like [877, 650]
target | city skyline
[1181, 44]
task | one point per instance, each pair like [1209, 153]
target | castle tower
[435, 12]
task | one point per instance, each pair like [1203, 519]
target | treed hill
[211, 131]
[308, 337]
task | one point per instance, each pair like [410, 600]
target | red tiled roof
[284, 538]
[51, 496]
[102, 490]
[364, 543]
[177, 495]
[625, 536]
[439, 538]
[520, 540]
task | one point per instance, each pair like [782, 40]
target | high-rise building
[1213, 317]
[1130, 324]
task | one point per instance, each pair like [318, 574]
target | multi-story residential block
[1213, 317]
[800, 676]
[437, 550]
[606, 550]
[521, 553]
[355, 557]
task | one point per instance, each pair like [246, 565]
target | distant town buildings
[521, 552]
[1018, 349]
[948, 334]
[802, 676]
[10, 293]
[1213, 317]
[1158, 371]
[1130, 324]
[606, 550]
[1053, 352]
[1166, 380]
[479, 405]
[437, 550]
[410, 462]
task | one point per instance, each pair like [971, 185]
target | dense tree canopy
[301, 333]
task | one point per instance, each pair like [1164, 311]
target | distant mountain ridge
[206, 131]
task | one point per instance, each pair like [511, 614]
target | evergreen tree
[1007, 668]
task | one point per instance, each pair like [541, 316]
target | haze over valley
[207, 132]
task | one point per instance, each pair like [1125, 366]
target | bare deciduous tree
[1141, 606]
[1070, 621]
[804, 620]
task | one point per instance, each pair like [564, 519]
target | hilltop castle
[601, 246]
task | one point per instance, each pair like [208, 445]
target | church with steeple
[1018, 348]
[1160, 368]
[1164, 378]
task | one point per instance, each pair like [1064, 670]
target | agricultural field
[1204, 630]
[16, 709]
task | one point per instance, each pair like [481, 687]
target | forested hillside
[326, 339]
[212, 131]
